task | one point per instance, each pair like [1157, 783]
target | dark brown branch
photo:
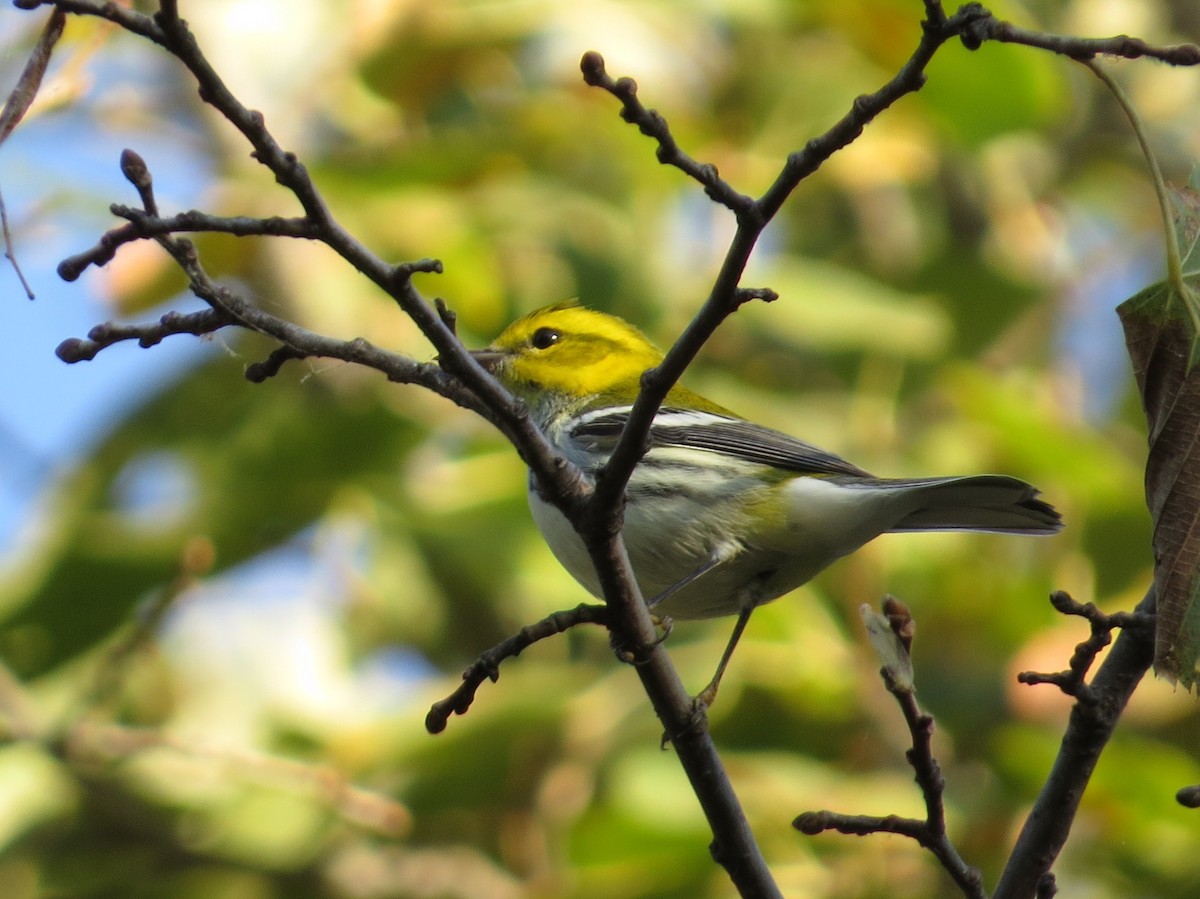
[257, 372]
[206, 321]
[448, 316]
[302, 343]
[601, 519]
[487, 666]
[983, 26]
[562, 483]
[144, 225]
[1089, 728]
[597, 515]
[724, 297]
[972, 23]
[228, 307]
[1071, 681]
[651, 123]
[931, 832]
[118, 14]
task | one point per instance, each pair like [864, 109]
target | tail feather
[995, 503]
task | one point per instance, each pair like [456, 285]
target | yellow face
[570, 350]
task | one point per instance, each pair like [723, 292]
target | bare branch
[487, 666]
[724, 297]
[117, 13]
[206, 321]
[1088, 730]
[257, 372]
[930, 833]
[983, 26]
[1071, 681]
[595, 513]
[143, 225]
[651, 123]
[10, 252]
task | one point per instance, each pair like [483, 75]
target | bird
[722, 515]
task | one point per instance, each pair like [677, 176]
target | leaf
[26, 89]
[890, 634]
[1161, 336]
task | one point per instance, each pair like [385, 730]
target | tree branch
[487, 666]
[143, 225]
[596, 513]
[651, 123]
[102, 336]
[1071, 681]
[1089, 728]
[983, 26]
[892, 635]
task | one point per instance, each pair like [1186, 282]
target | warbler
[722, 515]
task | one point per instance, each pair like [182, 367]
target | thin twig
[1089, 728]
[724, 297]
[257, 372]
[10, 252]
[651, 123]
[227, 307]
[102, 336]
[142, 225]
[487, 666]
[1071, 681]
[117, 13]
[893, 637]
[983, 26]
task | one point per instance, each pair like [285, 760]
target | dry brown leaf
[1162, 335]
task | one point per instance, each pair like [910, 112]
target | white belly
[770, 548]
[665, 546]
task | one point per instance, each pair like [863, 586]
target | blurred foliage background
[228, 610]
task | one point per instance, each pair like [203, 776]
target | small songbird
[722, 514]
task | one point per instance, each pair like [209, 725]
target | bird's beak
[488, 358]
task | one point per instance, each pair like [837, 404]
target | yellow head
[566, 352]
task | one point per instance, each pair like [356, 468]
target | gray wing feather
[721, 434]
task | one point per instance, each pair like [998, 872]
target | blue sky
[58, 173]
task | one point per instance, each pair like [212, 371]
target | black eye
[544, 337]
